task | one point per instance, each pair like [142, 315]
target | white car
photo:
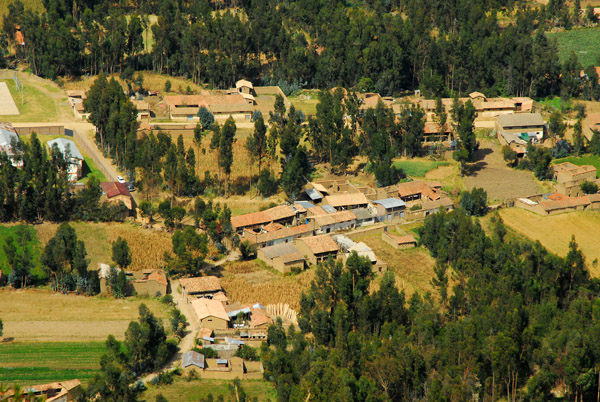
[120, 179]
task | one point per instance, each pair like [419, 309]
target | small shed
[390, 209]
[192, 360]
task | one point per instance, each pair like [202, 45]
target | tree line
[513, 323]
[442, 48]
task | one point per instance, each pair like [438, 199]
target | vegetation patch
[198, 389]
[584, 42]
[419, 168]
[41, 362]
[593, 160]
[555, 231]
[34, 249]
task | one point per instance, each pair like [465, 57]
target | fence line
[93, 154]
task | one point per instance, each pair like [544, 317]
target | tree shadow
[481, 153]
[473, 168]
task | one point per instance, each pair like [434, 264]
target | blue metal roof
[389, 203]
[313, 194]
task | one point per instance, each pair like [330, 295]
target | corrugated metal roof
[222, 361]
[63, 145]
[306, 204]
[329, 209]
[521, 119]
[313, 194]
[389, 203]
[192, 358]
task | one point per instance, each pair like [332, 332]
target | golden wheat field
[152, 82]
[249, 282]
[147, 246]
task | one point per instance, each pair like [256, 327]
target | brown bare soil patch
[490, 172]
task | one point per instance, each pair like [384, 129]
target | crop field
[555, 231]
[593, 160]
[307, 101]
[413, 268]
[584, 42]
[251, 282]
[192, 391]
[40, 315]
[147, 246]
[419, 168]
[42, 362]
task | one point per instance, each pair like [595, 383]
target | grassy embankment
[583, 41]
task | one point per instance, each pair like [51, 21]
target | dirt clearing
[490, 172]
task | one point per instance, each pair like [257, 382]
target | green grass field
[306, 101]
[90, 169]
[41, 101]
[192, 391]
[38, 363]
[584, 42]
[34, 250]
[418, 168]
[589, 159]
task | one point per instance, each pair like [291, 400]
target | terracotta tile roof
[416, 187]
[319, 187]
[220, 296]
[432, 127]
[205, 332]
[158, 276]
[259, 317]
[558, 196]
[474, 95]
[292, 231]
[114, 188]
[243, 83]
[315, 211]
[320, 244]
[571, 202]
[407, 239]
[253, 219]
[271, 227]
[344, 200]
[202, 284]
[209, 308]
[280, 212]
[332, 219]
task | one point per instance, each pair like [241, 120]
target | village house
[250, 316]
[432, 207]
[210, 313]
[284, 235]
[434, 133]
[200, 287]
[62, 391]
[569, 177]
[282, 214]
[186, 107]
[390, 209]
[229, 369]
[347, 201]
[528, 127]
[317, 249]
[115, 192]
[143, 110]
[398, 242]
[365, 216]
[9, 137]
[151, 282]
[416, 190]
[336, 221]
[192, 360]
[72, 155]
[283, 257]
[555, 203]
[349, 246]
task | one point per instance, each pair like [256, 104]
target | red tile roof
[114, 188]
[320, 244]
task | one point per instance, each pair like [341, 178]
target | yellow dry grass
[413, 268]
[147, 246]
[555, 231]
[152, 82]
[250, 282]
[43, 315]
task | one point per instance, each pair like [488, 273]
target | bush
[510, 156]
[562, 149]
[416, 207]
[474, 202]
[247, 353]
[589, 188]
[247, 250]
[267, 183]
[168, 86]
[208, 353]
[167, 299]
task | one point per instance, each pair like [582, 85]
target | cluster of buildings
[568, 196]
[293, 236]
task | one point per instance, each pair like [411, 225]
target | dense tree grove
[387, 47]
[517, 323]
[40, 190]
